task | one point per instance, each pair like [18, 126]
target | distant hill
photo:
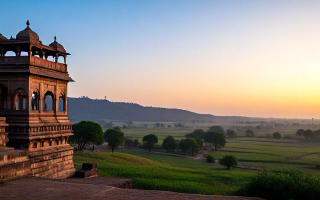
[89, 109]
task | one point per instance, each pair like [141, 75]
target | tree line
[88, 132]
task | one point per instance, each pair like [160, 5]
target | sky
[234, 58]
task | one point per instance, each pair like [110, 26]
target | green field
[276, 154]
[165, 172]
[162, 172]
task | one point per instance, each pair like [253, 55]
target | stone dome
[2, 37]
[27, 34]
[57, 46]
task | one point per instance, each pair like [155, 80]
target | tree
[129, 142]
[229, 161]
[136, 142]
[300, 132]
[85, 132]
[210, 158]
[188, 144]
[150, 140]
[114, 137]
[316, 135]
[231, 133]
[217, 129]
[217, 139]
[308, 134]
[276, 135]
[249, 133]
[197, 134]
[169, 144]
[200, 143]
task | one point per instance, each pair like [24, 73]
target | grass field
[162, 172]
[274, 154]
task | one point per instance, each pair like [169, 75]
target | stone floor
[38, 188]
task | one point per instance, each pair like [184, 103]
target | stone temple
[34, 124]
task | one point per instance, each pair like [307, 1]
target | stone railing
[33, 61]
[14, 60]
[47, 64]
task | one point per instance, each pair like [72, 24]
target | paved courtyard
[39, 188]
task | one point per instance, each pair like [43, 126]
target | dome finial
[28, 22]
[55, 38]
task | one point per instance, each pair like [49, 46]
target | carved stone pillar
[40, 97]
[56, 100]
[18, 51]
[30, 51]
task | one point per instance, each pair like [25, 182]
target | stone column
[65, 100]
[56, 100]
[40, 97]
[18, 52]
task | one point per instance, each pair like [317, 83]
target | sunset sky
[243, 58]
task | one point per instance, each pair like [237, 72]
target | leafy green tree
[231, 133]
[188, 144]
[217, 139]
[136, 142]
[308, 134]
[196, 134]
[249, 133]
[169, 144]
[114, 137]
[217, 129]
[150, 140]
[85, 132]
[210, 158]
[300, 132]
[229, 161]
[129, 142]
[276, 135]
[200, 143]
[316, 135]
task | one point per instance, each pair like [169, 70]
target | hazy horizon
[228, 58]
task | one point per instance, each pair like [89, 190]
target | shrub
[283, 185]
[210, 158]
[317, 166]
[276, 135]
[229, 161]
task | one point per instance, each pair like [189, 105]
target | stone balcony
[31, 60]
